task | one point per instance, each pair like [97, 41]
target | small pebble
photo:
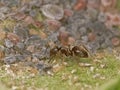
[53, 11]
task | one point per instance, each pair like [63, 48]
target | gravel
[86, 26]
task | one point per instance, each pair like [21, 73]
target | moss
[85, 76]
[7, 24]
[111, 85]
[118, 4]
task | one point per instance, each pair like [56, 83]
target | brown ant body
[80, 51]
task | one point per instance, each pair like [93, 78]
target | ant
[80, 51]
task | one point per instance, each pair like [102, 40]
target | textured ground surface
[30, 29]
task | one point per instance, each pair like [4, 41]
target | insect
[80, 51]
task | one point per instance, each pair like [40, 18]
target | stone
[29, 20]
[2, 52]
[36, 3]
[102, 17]
[108, 3]
[19, 16]
[4, 9]
[53, 24]
[92, 13]
[2, 16]
[20, 45]
[21, 31]
[31, 48]
[71, 41]
[3, 35]
[38, 24]
[112, 19]
[68, 12]
[63, 37]
[20, 57]
[91, 36]
[52, 11]
[53, 37]
[35, 59]
[11, 2]
[93, 4]
[43, 68]
[8, 43]
[84, 39]
[13, 38]
[34, 39]
[82, 31]
[10, 59]
[115, 41]
[81, 4]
